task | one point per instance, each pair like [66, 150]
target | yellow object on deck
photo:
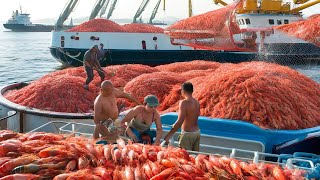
[271, 5]
[300, 1]
[304, 6]
[250, 5]
[221, 2]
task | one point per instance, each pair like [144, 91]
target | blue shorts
[151, 134]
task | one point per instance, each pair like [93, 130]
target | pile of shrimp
[308, 29]
[97, 25]
[105, 25]
[268, 95]
[40, 155]
[141, 28]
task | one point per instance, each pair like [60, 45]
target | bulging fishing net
[296, 42]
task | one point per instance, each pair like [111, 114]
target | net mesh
[296, 43]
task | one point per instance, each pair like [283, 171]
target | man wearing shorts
[106, 111]
[189, 111]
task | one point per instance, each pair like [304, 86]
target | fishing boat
[130, 48]
[255, 23]
[20, 22]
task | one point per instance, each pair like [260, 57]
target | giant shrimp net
[265, 94]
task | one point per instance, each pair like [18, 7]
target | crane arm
[65, 13]
[220, 1]
[304, 6]
[112, 7]
[104, 8]
[154, 12]
[142, 7]
[97, 7]
[190, 8]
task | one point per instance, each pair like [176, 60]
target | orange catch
[83, 162]
[107, 152]
[71, 165]
[128, 173]
[277, 173]
[235, 167]
[147, 170]
[164, 174]
[137, 173]
[20, 177]
[11, 164]
[166, 163]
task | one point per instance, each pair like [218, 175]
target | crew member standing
[189, 111]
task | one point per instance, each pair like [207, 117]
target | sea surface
[25, 56]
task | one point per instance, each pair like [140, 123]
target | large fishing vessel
[253, 19]
[20, 22]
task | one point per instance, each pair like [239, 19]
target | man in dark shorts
[91, 62]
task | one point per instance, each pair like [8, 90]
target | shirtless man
[91, 62]
[106, 110]
[189, 111]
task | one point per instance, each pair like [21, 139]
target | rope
[73, 57]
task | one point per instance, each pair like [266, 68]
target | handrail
[44, 125]
[256, 154]
[6, 117]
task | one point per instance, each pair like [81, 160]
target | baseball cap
[151, 100]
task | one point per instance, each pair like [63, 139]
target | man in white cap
[91, 62]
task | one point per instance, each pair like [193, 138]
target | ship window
[279, 21]
[242, 21]
[271, 21]
[239, 21]
[62, 38]
[247, 21]
[286, 21]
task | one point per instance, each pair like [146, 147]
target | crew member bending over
[141, 118]
[106, 111]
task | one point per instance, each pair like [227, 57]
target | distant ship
[20, 22]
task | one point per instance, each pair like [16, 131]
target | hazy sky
[41, 9]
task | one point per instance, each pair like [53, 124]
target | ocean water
[25, 56]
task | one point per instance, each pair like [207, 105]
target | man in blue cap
[140, 120]
[91, 62]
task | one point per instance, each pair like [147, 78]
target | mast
[65, 14]
[112, 7]
[154, 12]
[142, 7]
[97, 7]
[104, 8]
